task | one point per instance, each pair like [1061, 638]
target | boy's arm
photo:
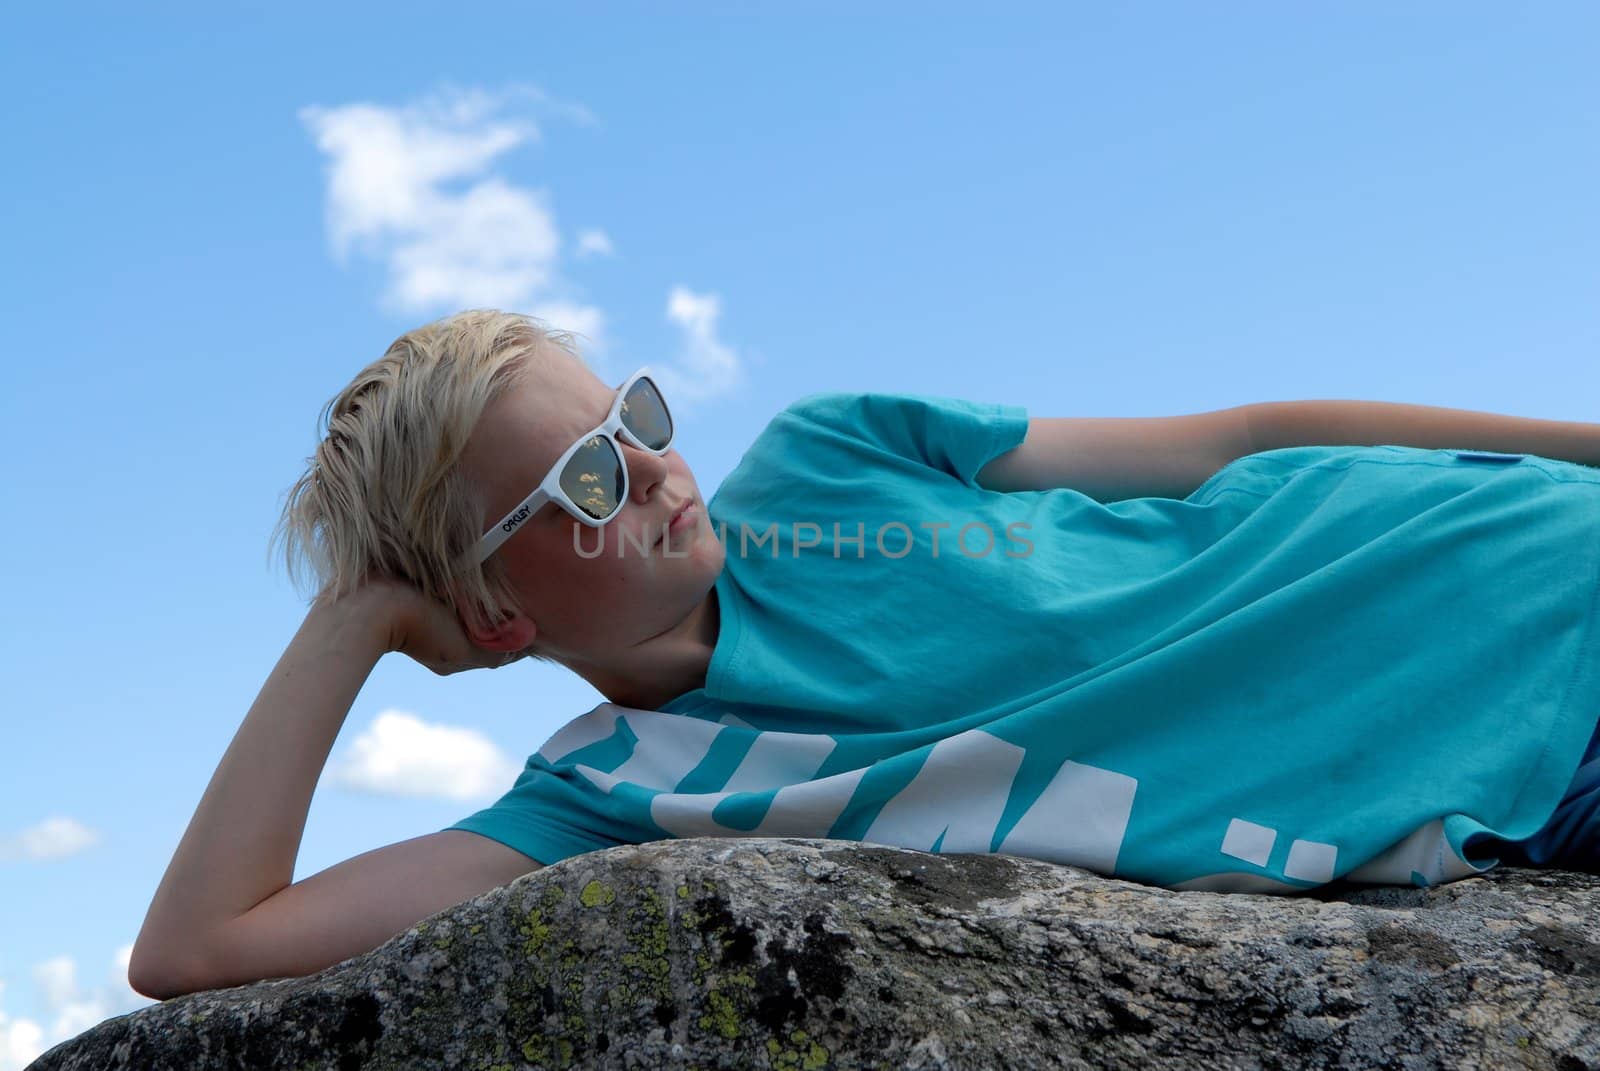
[226, 911]
[1352, 423]
[1112, 458]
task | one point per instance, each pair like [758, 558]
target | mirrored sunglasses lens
[592, 478]
[644, 413]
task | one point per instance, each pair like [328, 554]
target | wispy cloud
[54, 838]
[21, 1040]
[485, 243]
[70, 1007]
[413, 187]
[402, 755]
[706, 367]
[594, 243]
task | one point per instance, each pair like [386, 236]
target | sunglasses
[590, 480]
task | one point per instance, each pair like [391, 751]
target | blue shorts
[1570, 840]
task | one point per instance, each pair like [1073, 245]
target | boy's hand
[428, 632]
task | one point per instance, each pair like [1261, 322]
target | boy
[1269, 665]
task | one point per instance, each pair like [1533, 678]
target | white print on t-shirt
[954, 803]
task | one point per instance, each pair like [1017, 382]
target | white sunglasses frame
[550, 489]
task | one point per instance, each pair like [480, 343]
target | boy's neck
[670, 664]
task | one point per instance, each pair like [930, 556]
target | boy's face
[593, 608]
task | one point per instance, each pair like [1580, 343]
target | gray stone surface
[800, 953]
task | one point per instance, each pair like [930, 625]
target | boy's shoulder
[833, 410]
[851, 407]
[822, 402]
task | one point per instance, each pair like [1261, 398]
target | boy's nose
[645, 471]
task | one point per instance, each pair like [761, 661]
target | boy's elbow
[148, 979]
[161, 977]
[156, 987]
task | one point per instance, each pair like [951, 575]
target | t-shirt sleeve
[546, 816]
[952, 435]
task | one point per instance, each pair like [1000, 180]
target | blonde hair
[384, 494]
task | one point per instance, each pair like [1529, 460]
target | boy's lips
[666, 528]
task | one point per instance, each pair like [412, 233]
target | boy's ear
[516, 633]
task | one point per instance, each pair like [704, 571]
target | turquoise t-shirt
[1325, 662]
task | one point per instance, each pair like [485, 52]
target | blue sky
[214, 221]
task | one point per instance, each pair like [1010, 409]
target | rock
[803, 953]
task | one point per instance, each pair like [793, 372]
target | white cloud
[54, 838]
[412, 186]
[585, 320]
[707, 367]
[594, 243]
[54, 978]
[21, 1040]
[71, 1010]
[57, 984]
[487, 243]
[21, 1043]
[402, 755]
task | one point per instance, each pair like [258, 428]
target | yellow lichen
[723, 1017]
[596, 893]
[811, 1059]
[537, 931]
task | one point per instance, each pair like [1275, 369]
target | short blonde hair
[384, 494]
